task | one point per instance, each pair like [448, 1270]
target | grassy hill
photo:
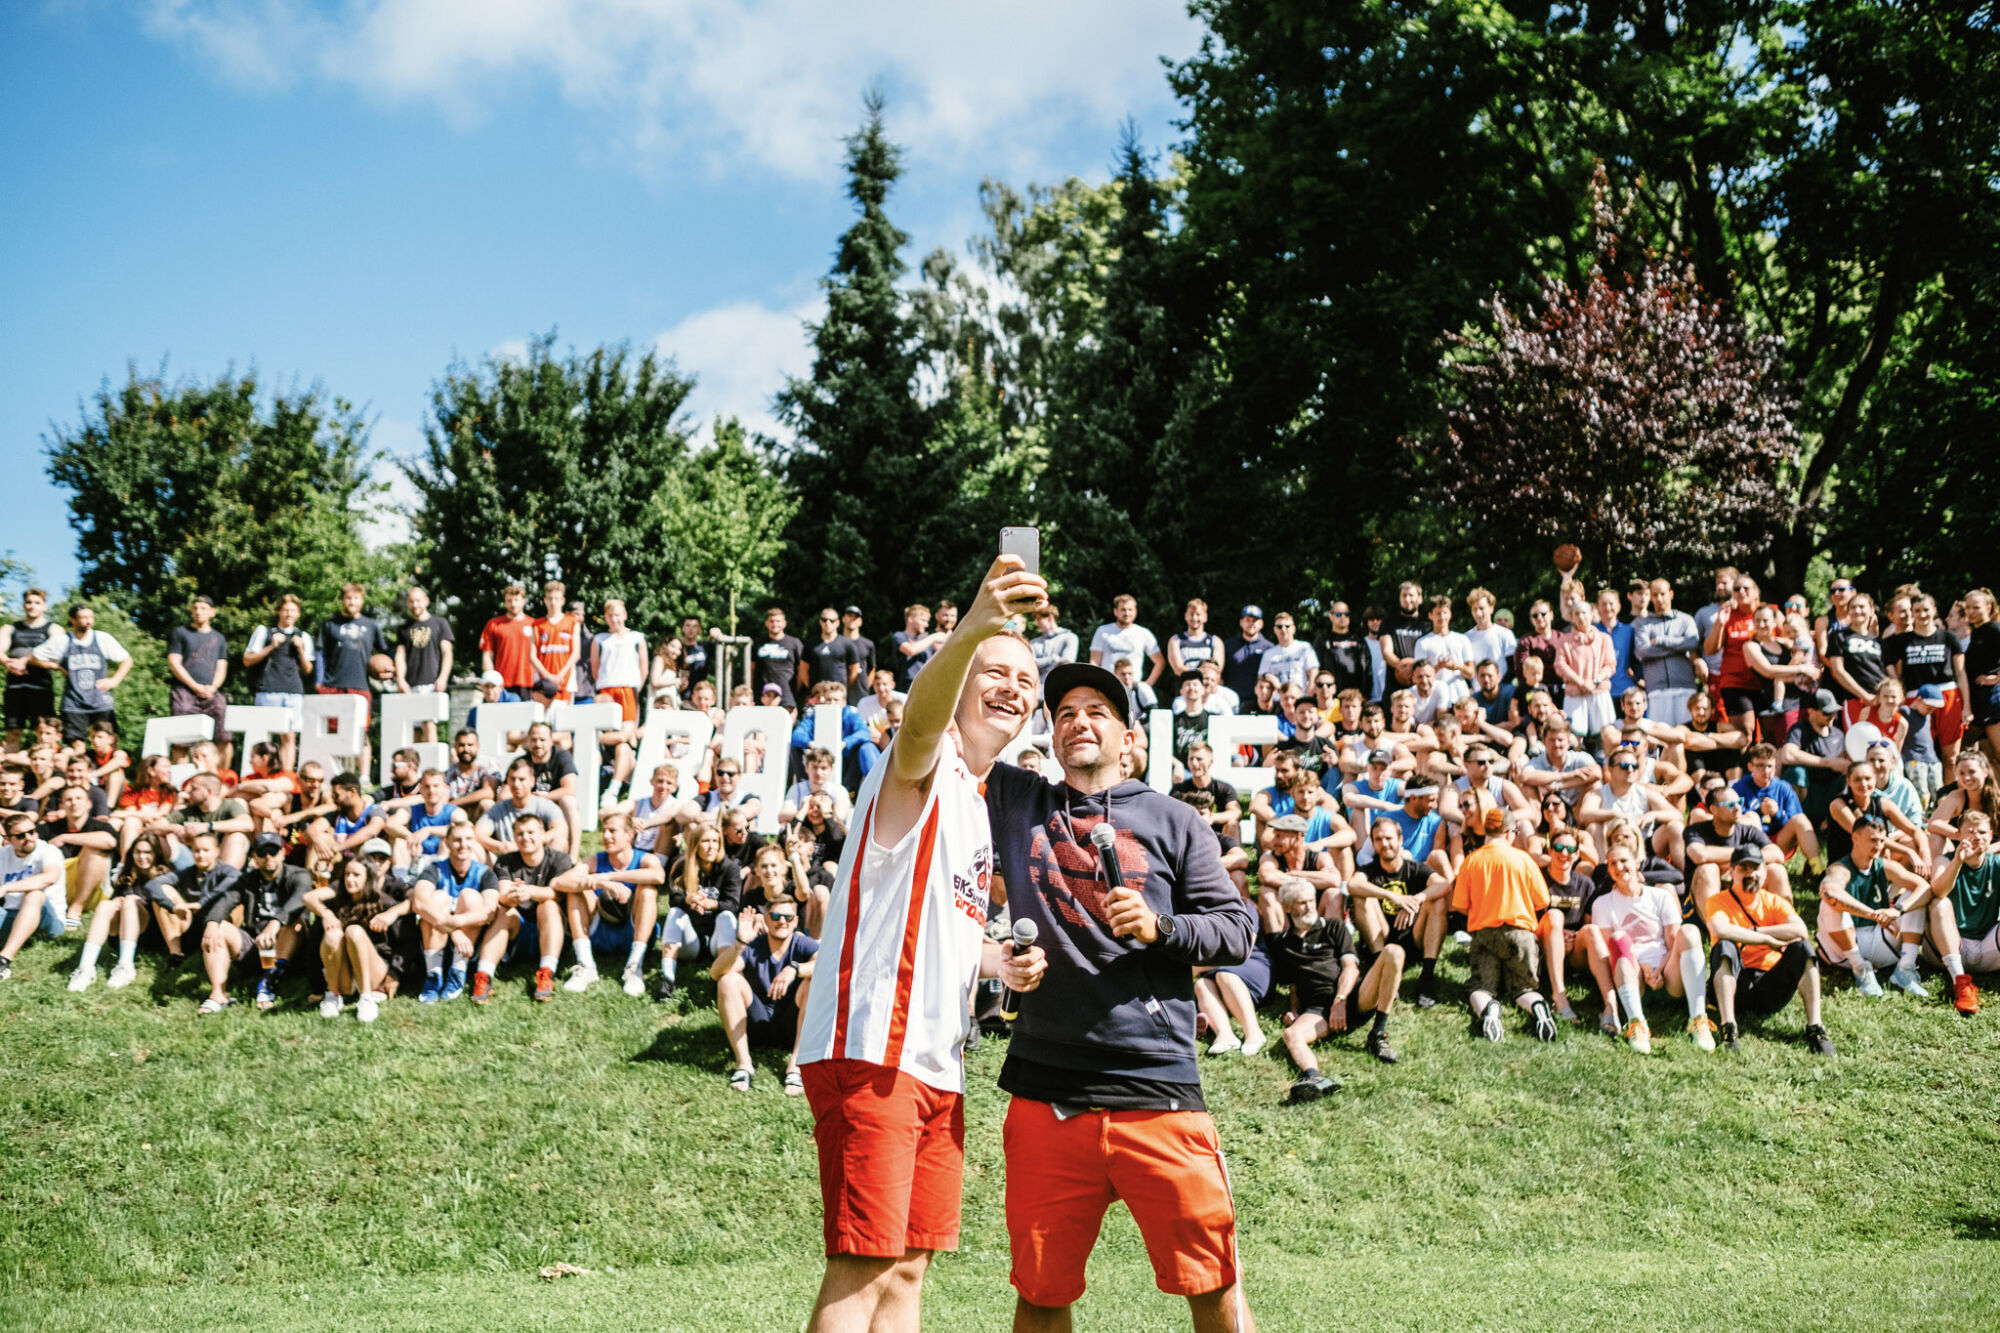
[280, 1170]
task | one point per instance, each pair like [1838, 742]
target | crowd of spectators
[1616, 797]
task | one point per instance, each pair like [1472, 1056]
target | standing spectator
[1400, 634]
[913, 644]
[1052, 645]
[84, 655]
[1585, 662]
[558, 638]
[1664, 645]
[1344, 652]
[617, 672]
[864, 648]
[278, 657]
[695, 662]
[1242, 652]
[1981, 666]
[1926, 654]
[1490, 642]
[1123, 637]
[831, 656]
[423, 654]
[347, 643]
[1290, 659]
[198, 667]
[1705, 617]
[780, 659]
[1853, 657]
[1840, 596]
[507, 645]
[30, 695]
[1621, 632]
[1539, 643]
[1449, 651]
[1188, 649]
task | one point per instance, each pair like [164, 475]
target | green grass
[281, 1171]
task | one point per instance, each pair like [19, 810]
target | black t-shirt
[55, 828]
[864, 653]
[1982, 651]
[1224, 793]
[1348, 658]
[1310, 961]
[549, 774]
[1188, 729]
[1409, 877]
[694, 658]
[778, 664]
[422, 642]
[1744, 833]
[345, 645]
[1821, 745]
[1196, 649]
[25, 640]
[1573, 898]
[828, 844]
[553, 865]
[1240, 657]
[280, 672]
[1403, 632]
[1860, 654]
[744, 855]
[829, 659]
[1925, 658]
[201, 652]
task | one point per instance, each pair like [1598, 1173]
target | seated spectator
[1501, 891]
[1226, 809]
[1650, 949]
[496, 826]
[1398, 900]
[1964, 910]
[1315, 957]
[471, 785]
[1567, 936]
[1901, 838]
[204, 809]
[1864, 922]
[415, 832]
[1288, 858]
[1623, 796]
[614, 907]
[728, 794]
[354, 957]
[453, 900]
[526, 916]
[779, 875]
[819, 779]
[1560, 768]
[1144, 700]
[760, 992]
[32, 878]
[1972, 788]
[1774, 805]
[821, 837]
[126, 904]
[704, 891]
[270, 897]
[108, 763]
[405, 768]
[555, 779]
[1761, 956]
[658, 810]
[86, 844]
[356, 818]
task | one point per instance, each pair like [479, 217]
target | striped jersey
[899, 957]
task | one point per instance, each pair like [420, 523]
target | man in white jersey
[881, 1043]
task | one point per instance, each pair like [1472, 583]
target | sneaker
[1865, 982]
[545, 984]
[1817, 1041]
[635, 984]
[368, 1006]
[266, 997]
[122, 976]
[1378, 1046]
[6, 968]
[1964, 995]
[1312, 1087]
[1427, 999]
[1729, 1042]
[1254, 1043]
[1640, 1036]
[795, 1084]
[454, 985]
[580, 979]
[482, 987]
[1463, 939]
[1491, 1025]
[433, 988]
[1905, 979]
[739, 1080]
[1545, 1022]
[331, 1006]
[663, 989]
[1701, 1032]
[1230, 1045]
[82, 978]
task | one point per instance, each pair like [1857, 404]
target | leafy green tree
[553, 467]
[207, 487]
[725, 517]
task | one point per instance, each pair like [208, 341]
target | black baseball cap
[1083, 676]
[1746, 856]
[267, 842]
[851, 611]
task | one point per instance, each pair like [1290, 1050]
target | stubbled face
[1089, 730]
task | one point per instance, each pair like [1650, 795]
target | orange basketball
[1567, 558]
[382, 666]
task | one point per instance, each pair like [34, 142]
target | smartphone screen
[1024, 542]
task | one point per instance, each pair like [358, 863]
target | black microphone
[1025, 932]
[1105, 839]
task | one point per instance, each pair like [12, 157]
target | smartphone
[1024, 542]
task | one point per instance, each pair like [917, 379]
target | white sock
[485, 969]
[1910, 954]
[88, 963]
[549, 961]
[1628, 995]
[1694, 979]
[433, 962]
[1859, 964]
[127, 951]
[582, 950]
[635, 961]
[667, 964]
[1954, 965]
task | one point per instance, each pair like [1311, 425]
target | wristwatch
[1165, 925]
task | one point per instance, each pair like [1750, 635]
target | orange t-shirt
[1764, 908]
[555, 640]
[1500, 885]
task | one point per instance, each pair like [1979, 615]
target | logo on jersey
[973, 896]
[1067, 876]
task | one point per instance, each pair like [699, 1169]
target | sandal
[212, 1005]
[739, 1081]
[795, 1085]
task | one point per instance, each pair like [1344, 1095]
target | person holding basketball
[882, 1038]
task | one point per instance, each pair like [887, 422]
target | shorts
[1761, 994]
[1505, 961]
[367, 702]
[774, 1025]
[1669, 707]
[625, 697]
[1063, 1174]
[1948, 722]
[54, 909]
[610, 936]
[1254, 972]
[1589, 714]
[1879, 947]
[76, 723]
[294, 703]
[28, 704]
[1986, 706]
[186, 703]
[891, 1158]
[1981, 955]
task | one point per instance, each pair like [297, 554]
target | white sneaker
[366, 1007]
[122, 976]
[635, 983]
[1252, 1045]
[82, 978]
[580, 979]
[1228, 1045]
[331, 1006]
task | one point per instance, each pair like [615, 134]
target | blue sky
[358, 191]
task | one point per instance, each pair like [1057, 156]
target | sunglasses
[1843, 587]
[1566, 848]
[781, 916]
[1629, 768]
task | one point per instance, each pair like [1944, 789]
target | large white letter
[494, 721]
[583, 722]
[1160, 750]
[663, 727]
[767, 784]
[258, 725]
[1225, 733]
[336, 730]
[400, 715]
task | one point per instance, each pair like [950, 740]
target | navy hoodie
[1113, 1005]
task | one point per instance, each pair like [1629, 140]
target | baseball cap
[1382, 755]
[266, 842]
[375, 847]
[1083, 676]
[1931, 694]
[1288, 824]
[772, 687]
[1746, 856]
[1823, 701]
[492, 678]
[1254, 611]
[850, 611]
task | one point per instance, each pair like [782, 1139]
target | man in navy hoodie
[1107, 1093]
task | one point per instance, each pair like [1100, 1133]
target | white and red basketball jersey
[893, 981]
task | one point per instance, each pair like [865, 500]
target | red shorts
[1063, 1174]
[1948, 722]
[625, 697]
[367, 702]
[891, 1158]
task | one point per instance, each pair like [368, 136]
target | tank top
[26, 639]
[1739, 627]
[1196, 649]
[1868, 887]
[904, 931]
[83, 666]
[610, 911]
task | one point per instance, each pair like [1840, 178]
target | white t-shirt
[1133, 641]
[621, 659]
[15, 868]
[1292, 662]
[1222, 700]
[53, 647]
[873, 709]
[1495, 645]
[1647, 920]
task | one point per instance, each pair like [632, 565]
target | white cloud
[740, 355]
[776, 81]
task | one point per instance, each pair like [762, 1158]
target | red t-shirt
[1738, 629]
[512, 643]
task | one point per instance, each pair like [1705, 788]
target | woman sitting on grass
[126, 903]
[353, 958]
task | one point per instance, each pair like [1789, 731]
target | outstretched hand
[1008, 590]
